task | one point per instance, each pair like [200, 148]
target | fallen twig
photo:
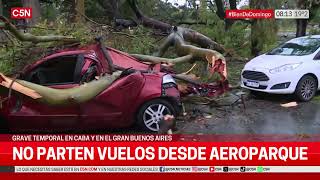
[125, 34]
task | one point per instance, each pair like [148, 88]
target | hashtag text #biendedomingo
[160, 153]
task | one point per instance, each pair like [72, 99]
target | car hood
[272, 61]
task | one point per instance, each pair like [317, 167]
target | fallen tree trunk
[188, 34]
[188, 53]
[62, 97]
[5, 24]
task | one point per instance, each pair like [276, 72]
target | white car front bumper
[264, 81]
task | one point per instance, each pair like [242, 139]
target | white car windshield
[297, 47]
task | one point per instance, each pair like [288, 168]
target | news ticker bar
[160, 169]
[268, 14]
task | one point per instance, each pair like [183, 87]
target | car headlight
[168, 79]
[287, 67]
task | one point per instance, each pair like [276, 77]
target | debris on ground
[290, 104]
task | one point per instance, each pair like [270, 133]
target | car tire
[148, 116]
[306, 88]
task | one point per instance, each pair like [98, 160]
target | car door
[60, 73]
[114, 107]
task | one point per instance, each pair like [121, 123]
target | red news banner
[250, 14]
[148, 150]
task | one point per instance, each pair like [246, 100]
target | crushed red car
[142, 96]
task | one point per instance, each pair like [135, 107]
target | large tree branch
[189, 34]
[156, 60]
[5, 24]
[147, 21]
[188, 53]
[60, 97]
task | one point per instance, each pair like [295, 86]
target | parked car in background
[141, 97]
[291, 68]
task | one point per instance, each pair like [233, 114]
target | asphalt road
[261, 116]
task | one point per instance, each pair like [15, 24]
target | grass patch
[234, 71]
[316, 98]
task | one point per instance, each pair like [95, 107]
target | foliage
[136, 41]
[235, 37]
[18, 54]
[140, 40]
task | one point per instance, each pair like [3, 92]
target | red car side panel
[113, 106]
[123, 60]
[151, 90]
[33, 115]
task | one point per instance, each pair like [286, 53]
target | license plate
[253, 84]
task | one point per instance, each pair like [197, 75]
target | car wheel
[152, 112]
[306, 88]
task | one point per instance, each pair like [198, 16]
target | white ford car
[291, 68]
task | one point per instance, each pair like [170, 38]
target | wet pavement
[261, 116]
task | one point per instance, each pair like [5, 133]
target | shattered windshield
[297, 47]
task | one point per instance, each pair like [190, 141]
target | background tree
[1, 8]
[313, 6]
[218, 6]
[36, 10]
[263, 31]
[78, 11]
[301, 23]
[111, 8]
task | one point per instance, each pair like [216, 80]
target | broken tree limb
[64, 97]
[10, 84]
[5, 24]
[188, 53]
[156, 60]
[193, 66]
[189, 34]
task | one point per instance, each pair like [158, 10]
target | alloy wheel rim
[307, 90]
[153, 114]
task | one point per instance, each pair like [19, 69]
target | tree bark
[188, 34]
[188, 53]
[1, 8]
[255, 50]
[111, 8]
[79, 11]
[257, 27]
[5, 24]
[65, 97]
[36, 10]
[1, 33]
[220, 9]
[301, 24]
[124, 23]
[301, 27]
[222, 14]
